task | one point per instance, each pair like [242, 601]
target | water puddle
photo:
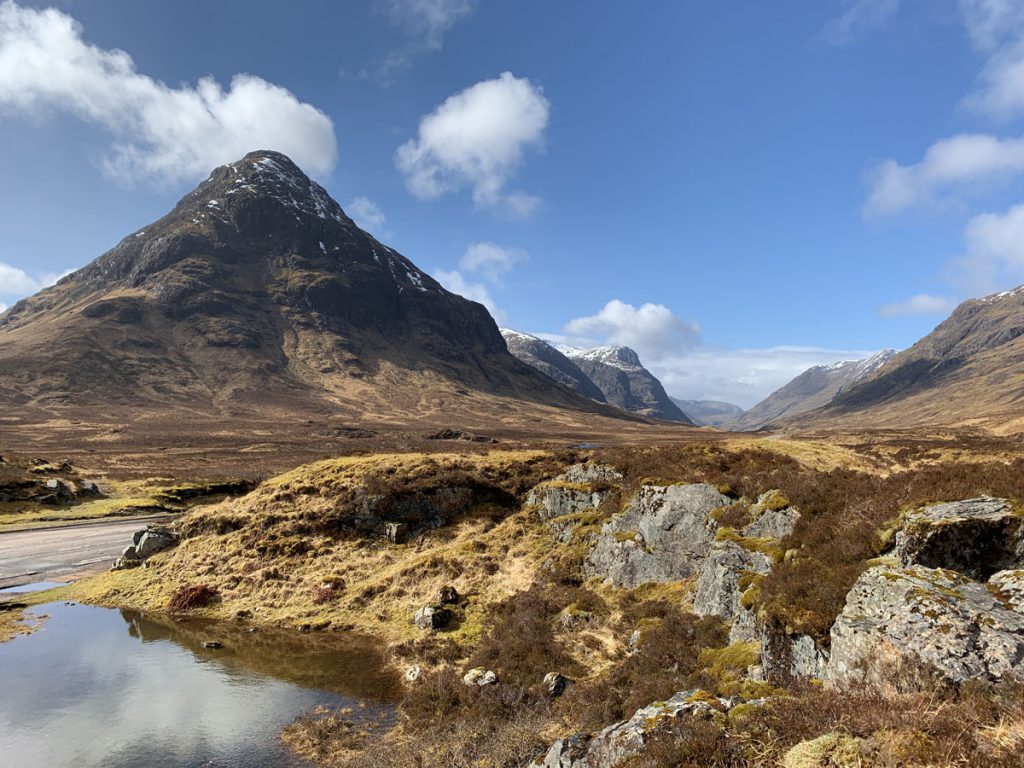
[121, 689]
[37, 586]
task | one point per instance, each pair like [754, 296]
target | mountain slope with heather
[969, 371]
[258, 294]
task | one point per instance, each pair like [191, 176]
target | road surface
[55, 554]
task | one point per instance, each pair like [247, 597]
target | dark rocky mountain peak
[256, 283]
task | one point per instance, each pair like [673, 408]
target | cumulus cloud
[17, 283]
[3, 307]
[367, 214]
[949, 165]
[490, 260]
[919, 304]
[477, 139]
[159, 133]
[996, 29]
[653, 330]
[857, 17]
[993, 252]
[456, 282]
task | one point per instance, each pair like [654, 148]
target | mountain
[968, 371]
[712, 413]
[549, 361]
[622, 378]
[258, 294]
[814, 388]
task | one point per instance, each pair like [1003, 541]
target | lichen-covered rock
[556, 683]
[771, 521]
[663, 535]
[718, 585]
[625, 740]
[575, 490]
[1009, 586]
[976, 537]
[954, 626]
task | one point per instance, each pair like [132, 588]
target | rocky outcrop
[663, 535]
[736, 561]
[905, 617]
[396, 517]
[545, 358]
[787, 656]
[145, 543]
[976, 537]
[579, 488]
[621, 742]
[478, 676]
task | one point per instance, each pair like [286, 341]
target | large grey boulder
[619, 743]
[770, 521]
[909, 616]
[576, 490]
[663, 535]
[154, 539]
[976, 537]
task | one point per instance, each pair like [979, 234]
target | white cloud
[477, 139]
[948, 165]
[490, 260]
[425, 23]
[919, 304]
[651, 329]
[3, 307]
[857, 17]
[427, 20]
[367, 215]
[455, 282]
[159, 133]
[993, 253]
[18, 283]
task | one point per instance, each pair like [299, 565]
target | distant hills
[969, 371]
[814, 388]
[608, 374]
[712, 413]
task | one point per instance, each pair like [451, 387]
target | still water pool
[120, 689]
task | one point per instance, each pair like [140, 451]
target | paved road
[52, 553]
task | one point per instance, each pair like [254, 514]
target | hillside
[814, 388]
[969, 371]
[552, 363]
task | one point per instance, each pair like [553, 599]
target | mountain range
[257, 296]
[608, 374]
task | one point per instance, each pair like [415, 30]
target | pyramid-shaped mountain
[258, 290]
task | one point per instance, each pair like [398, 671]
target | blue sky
[738, 190]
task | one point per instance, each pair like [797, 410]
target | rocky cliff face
[814, 388]
[622, 378]
[552, 363]
[256, 288]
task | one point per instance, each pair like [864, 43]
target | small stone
[480, 677]
[447, 595]
[213, 644]
[556, 683]
[432, 617]
[413, 673]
